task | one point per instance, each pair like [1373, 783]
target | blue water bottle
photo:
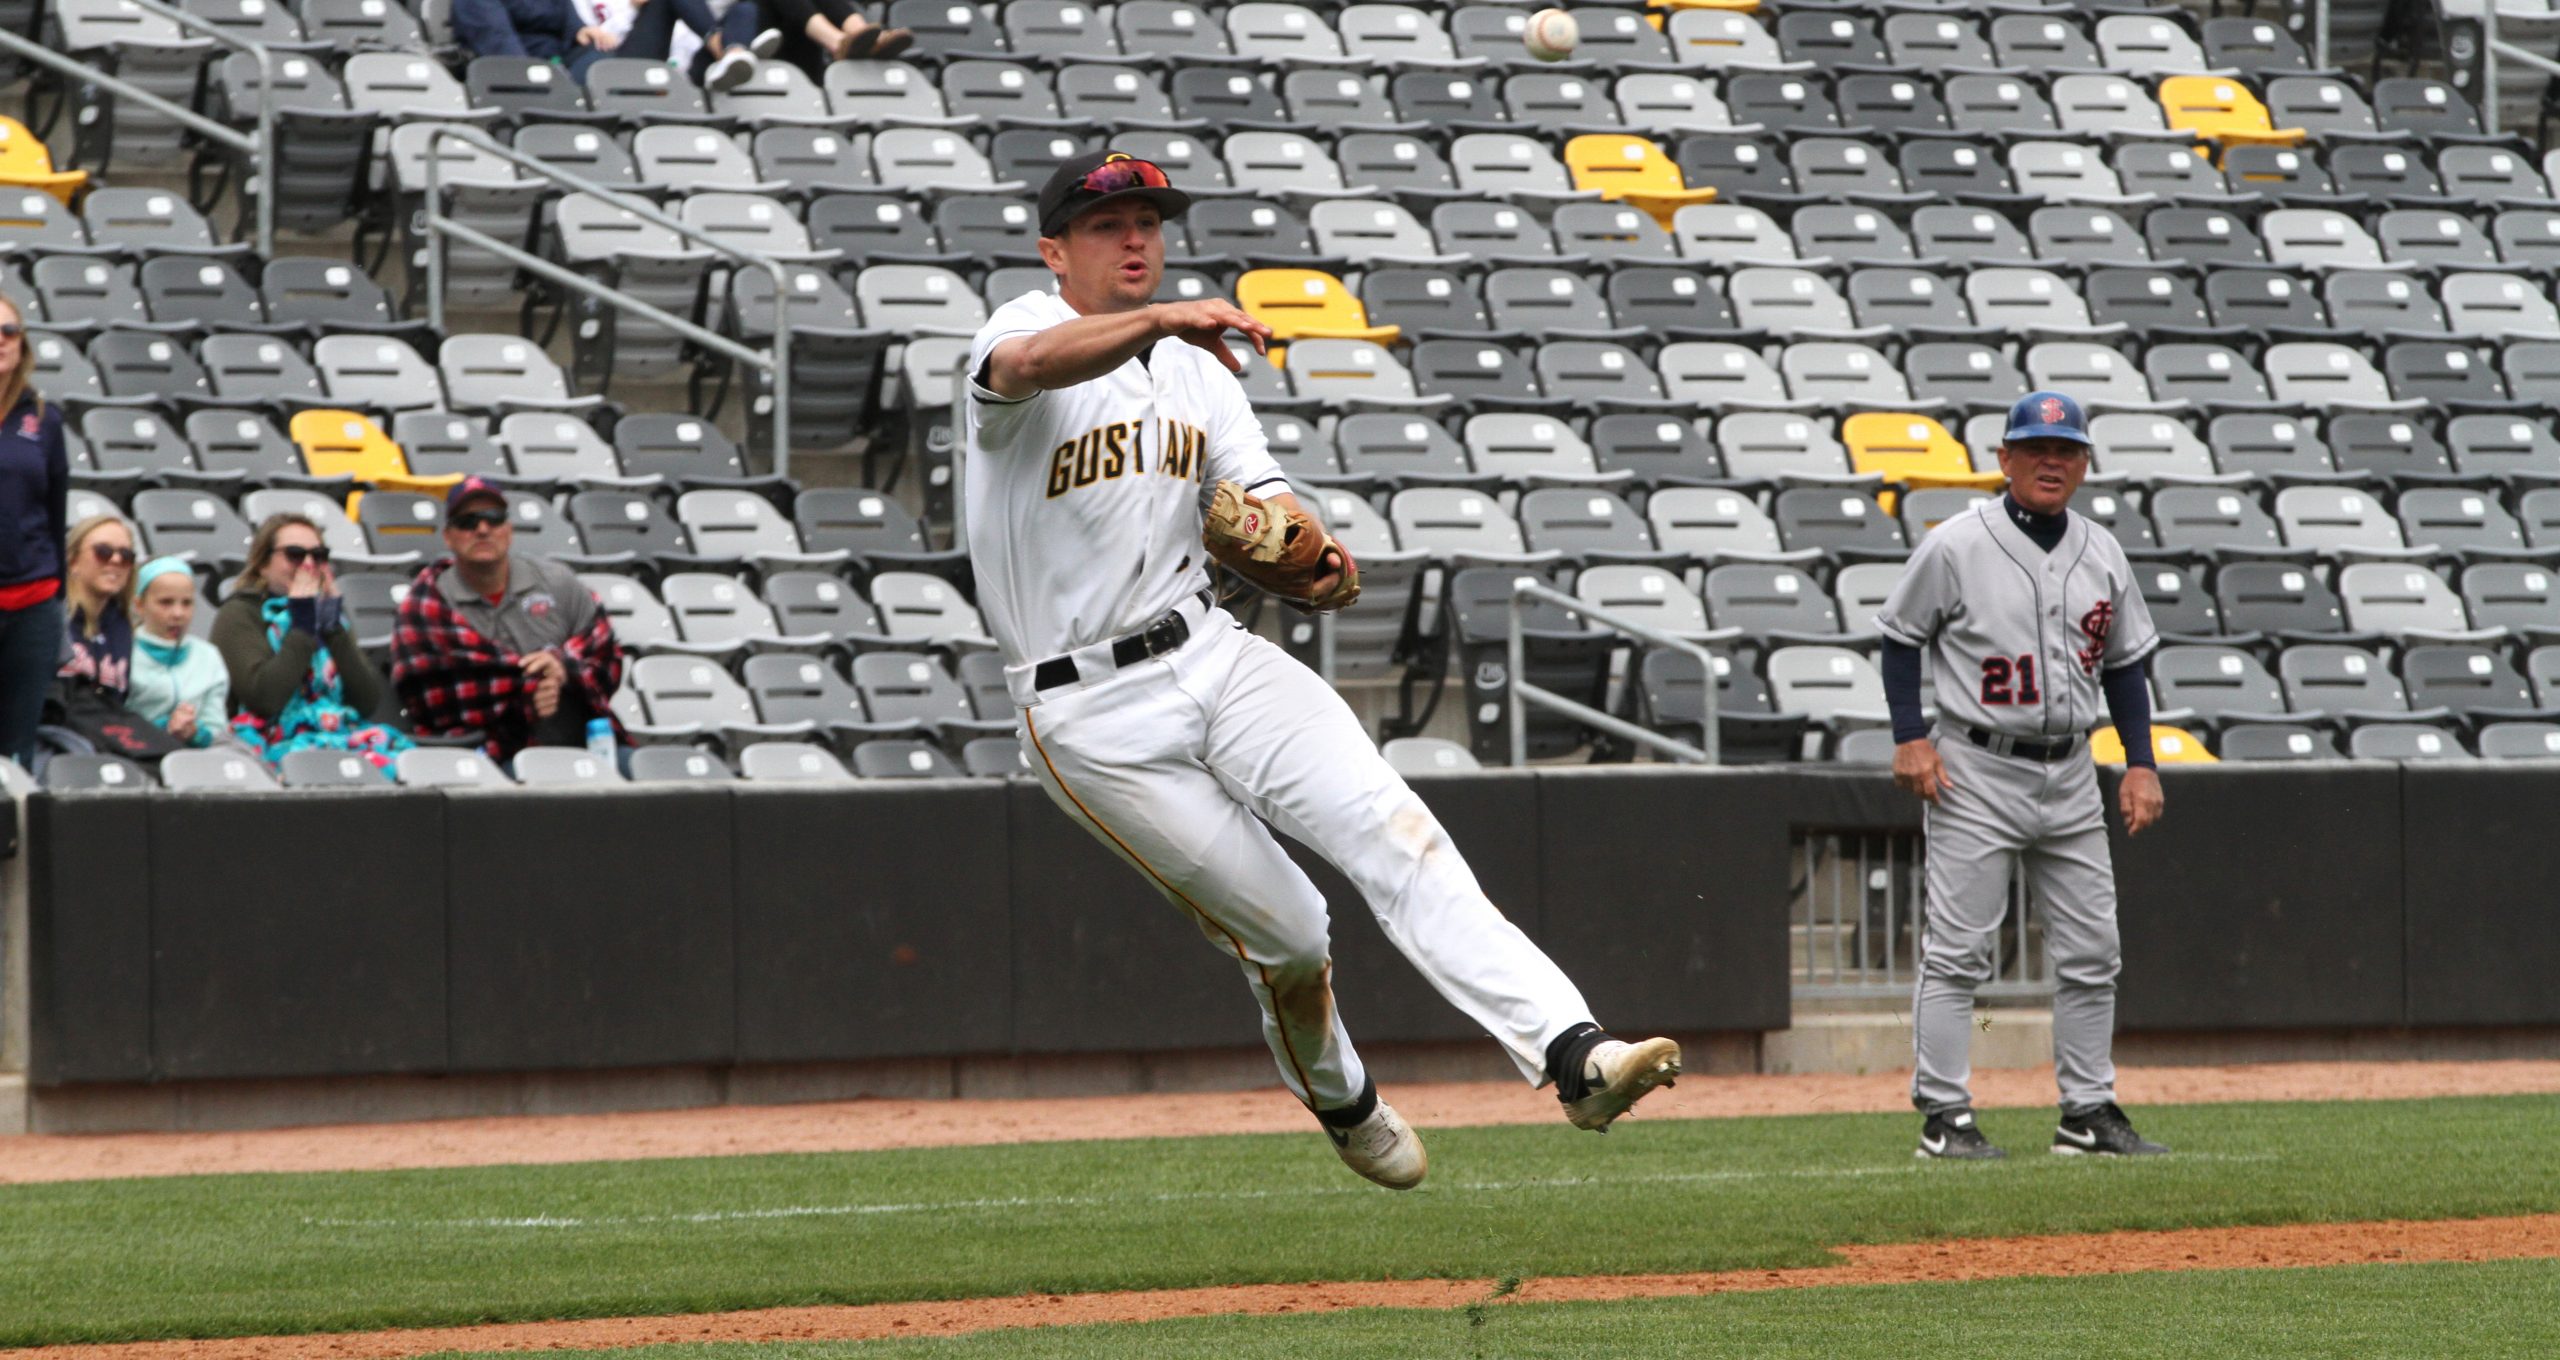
[600, 738]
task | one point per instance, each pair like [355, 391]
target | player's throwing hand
[1206, 322]
[1916, 769]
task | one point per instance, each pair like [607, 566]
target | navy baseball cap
[2046, 415]
[471, 489]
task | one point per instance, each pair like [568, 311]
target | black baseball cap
[1099, 177]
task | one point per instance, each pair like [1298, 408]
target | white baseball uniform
[2017, 640]
[1086, 506]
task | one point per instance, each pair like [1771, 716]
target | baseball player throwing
[1098, 425]
[2029, 614]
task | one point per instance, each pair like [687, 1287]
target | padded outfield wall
[177, 937]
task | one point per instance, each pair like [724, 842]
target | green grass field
[245, 1255]
[2478, 1312]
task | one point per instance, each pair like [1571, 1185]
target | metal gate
[1857, 899]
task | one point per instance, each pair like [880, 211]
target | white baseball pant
[1170, 762]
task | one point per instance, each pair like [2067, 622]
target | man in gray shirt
[499, 642]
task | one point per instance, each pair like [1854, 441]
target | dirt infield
[855, 1126]
[2120, 1253]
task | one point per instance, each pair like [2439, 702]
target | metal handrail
[259, 148]
[2491, 48]
[1524, 694]
[438, 226]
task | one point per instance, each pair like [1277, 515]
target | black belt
[1997, 744]
[1166, 633]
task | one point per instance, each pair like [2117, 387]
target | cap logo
[2050, 410]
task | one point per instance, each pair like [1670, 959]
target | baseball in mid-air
[1551, 35]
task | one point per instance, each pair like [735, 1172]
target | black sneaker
[1953, 1135]
[2101, 1131]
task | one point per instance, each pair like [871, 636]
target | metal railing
[2492, 48]
[437, 226]
[259, 147]
[1524, 693]
[1857, 912]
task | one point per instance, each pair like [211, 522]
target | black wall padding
[873, 922]
[89, 937]
[1493, 821]
[1663, 895]
[2266, 898]
[590, 929]
[1101, 961]
[2483, 884]
[295, 935]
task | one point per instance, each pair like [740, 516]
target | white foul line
[1914, 1167]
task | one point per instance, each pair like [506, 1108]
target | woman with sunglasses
[98, 593]
[299, 679]
[35, 490]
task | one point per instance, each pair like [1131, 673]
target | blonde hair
[18, 381]
[262, 545]
[78, 538]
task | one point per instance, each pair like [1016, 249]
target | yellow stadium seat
[1633, 171]
[1912, 450]
[348, 444]
[2169, 746]
[1307, 304]
[27, 162]
[2222, 109]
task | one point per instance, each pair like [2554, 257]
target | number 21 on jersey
[2010, 680]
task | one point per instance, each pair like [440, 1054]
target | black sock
[1564, 1059]
[1351, 1115]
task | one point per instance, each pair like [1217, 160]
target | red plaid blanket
[452, 679]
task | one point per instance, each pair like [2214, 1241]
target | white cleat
[1383, 1148]
[1620, 1074]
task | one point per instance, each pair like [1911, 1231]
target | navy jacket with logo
[35, 490]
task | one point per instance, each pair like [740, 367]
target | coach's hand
[1916, 768]
[2139, 798]
[1206, 322]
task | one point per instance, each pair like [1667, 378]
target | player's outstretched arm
[1088, 347]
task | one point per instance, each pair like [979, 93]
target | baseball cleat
[1953, 1135]
[1616, 1075]
[2101, 1131]
[1383, 1148]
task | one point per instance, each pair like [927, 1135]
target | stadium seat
[2169, 746]
[1635, 171]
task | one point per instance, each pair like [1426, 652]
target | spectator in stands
[816, 32]
[35, 488]
[493, 641]
[553, 30]
[298, 676]
[98, 592]
[733, 39]
[91, 692]
[179, 681]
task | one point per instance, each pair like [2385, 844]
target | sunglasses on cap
[107, 552]
[469, 520]
[298, 554]
[1111, 177]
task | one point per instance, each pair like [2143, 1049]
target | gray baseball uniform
[2017, 639]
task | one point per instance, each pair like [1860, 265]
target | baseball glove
[1282, 552]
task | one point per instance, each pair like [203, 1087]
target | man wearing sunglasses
[500, 642]
[1096, 421]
